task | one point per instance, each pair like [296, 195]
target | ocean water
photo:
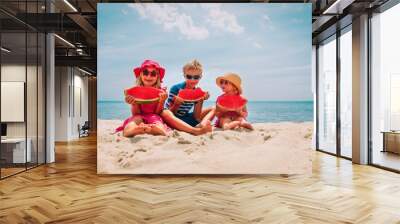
[259, 111]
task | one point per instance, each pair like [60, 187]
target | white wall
[12, 73]
[15, 72]
[80, 89]
[70, 83]
[61, 103]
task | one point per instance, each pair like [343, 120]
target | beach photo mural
[204, 88]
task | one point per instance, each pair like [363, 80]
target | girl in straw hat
[230, 84]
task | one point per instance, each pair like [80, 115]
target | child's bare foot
[158, 129]
[207, 127]
[231, 125]
[203, 128]
[204, 123]
[146, 128]
[133, 131]
[246, 124]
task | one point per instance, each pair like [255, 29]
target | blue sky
[269, 45]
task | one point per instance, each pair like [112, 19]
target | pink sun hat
[150, 63]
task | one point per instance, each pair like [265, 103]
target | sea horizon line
[255, 101]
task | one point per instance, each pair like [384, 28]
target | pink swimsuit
[231, 114]
[147, 114]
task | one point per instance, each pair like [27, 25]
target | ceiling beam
[81, 61]
[86, 26]
[337, 7]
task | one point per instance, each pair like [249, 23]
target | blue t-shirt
[185, 107]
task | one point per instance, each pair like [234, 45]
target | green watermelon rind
[148, 101]
[192, 101]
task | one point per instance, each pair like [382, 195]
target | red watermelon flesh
[191, 95]
[144, 94]
[231, 102]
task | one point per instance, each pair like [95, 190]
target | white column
[50, 100]
[50, 92]
[360, 90]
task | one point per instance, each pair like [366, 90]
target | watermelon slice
[191, 95]
[231, 102]
[144, 94]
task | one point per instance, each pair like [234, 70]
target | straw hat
[233, 78]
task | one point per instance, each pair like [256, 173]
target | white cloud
[221, 19]
[266, 18]
[254, 43]
[170, 18]
[267, 22]
[257, 45]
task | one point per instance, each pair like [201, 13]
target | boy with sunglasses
[198, 117]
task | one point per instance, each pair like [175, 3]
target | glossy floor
[387, 159]
[70, 191]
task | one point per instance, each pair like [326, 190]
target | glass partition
[22, 90]
[13, 94]
[327, 95]
[385, 89]
[346, 93]
[31, 97]
[35, 87]
[41, 97]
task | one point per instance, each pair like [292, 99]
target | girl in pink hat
[145, 118]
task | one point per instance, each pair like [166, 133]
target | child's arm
[160, 106]
[218, 111]
[173, 102]
[197, 110]
[177, 101]
[198, 107]
[135, 109]
[244, 112]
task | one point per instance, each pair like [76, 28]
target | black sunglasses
[193, 77]
[152, 73]
[224, 82]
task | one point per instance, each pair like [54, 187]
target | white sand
[272, 148]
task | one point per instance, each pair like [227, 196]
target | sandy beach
[272, 148]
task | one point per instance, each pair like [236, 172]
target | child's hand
[219, 110]
[206, 96]
[243, 113]
[130, 99]
[178, 100]
[239, 111]
[163, 96]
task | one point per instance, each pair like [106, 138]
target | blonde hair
[194, 65]
[139, 81]
[236, 90]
